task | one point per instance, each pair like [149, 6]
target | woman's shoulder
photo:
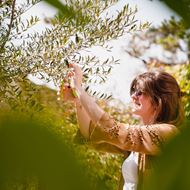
[164, 130]
[166, 127]
[158, 126]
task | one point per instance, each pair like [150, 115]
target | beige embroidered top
[113, 136]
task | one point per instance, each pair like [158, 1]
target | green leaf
[181, 7]
[64, 9]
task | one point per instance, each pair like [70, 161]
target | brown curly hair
[165, 94]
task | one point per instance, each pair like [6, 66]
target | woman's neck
[148, 120]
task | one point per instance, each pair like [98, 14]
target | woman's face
[142, 106]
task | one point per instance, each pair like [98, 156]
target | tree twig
[10, 25]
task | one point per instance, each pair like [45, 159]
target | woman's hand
[72, 82]
[65, 93]
[76, 75]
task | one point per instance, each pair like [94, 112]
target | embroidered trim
[155, 137]
[110, 126]
[113, 132]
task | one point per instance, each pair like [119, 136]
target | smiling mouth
[136, 105]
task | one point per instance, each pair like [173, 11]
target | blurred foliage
[59, 118]
[181, 7]
[172, 35]
[172, 168]
[34, 157]
[65, 10]
[182, 74]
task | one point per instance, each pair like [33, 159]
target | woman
[157, 100]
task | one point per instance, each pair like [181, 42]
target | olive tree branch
[10, 26]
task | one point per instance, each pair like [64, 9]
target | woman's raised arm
[87, 109]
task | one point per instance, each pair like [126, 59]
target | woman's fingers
[65, 93]
[70, 82]
[76, 68]
[77, 73]
[70, 73]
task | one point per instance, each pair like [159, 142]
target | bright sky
[119, 81]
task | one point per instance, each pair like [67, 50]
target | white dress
[130, 172]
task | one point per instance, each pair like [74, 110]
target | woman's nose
[133, 96]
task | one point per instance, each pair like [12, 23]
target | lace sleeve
[139, 138]
[105, 146]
